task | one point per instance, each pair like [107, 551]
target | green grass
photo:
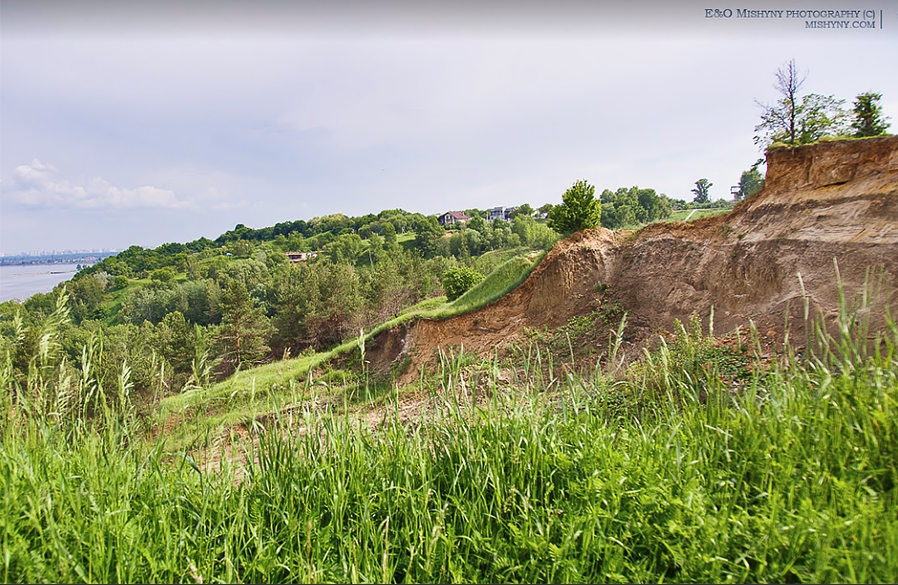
[502, 280]
[660, 475]
[682, 214]
[113, 305]
[260, 391]
[239, 400]
[489, 261]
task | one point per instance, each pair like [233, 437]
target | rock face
[825, 207]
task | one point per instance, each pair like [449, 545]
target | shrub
[457, 280]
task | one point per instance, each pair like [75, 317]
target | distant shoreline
[53, 259]
[21, 282]
[47, 264]
[74, 271]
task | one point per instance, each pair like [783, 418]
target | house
[502, 213]
[297, 257]
[452, 218]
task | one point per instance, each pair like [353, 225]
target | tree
[391, 244]
[456, 281]
[751, 181]
[87, 295]
[524, 226]
[819, 116]
[867, 115]
[176, 340]
[781, 118]
[427, 233]
[346, 249]
[375, 248]
[242, 337]
[579, 209]
[525, 210]
[795, 120]
[701, 191]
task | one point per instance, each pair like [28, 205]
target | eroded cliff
[824, 205]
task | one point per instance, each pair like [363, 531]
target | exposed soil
[823, 204]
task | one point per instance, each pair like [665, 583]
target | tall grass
[541, 478]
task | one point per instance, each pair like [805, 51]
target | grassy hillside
[259, 392]
[708, 460]
[700, 464]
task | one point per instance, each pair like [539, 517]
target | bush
[457, 280]
[579, 211]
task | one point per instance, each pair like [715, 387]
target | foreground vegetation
[698, 463]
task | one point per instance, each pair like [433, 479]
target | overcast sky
[150, 122]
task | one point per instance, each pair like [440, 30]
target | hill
[826, 224]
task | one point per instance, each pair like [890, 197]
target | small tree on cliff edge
[867, 113]
[796, 120]
[579, 210]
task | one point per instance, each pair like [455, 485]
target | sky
[142, 123]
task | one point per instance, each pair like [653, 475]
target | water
[20, 282]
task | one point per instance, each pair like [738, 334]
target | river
[20, 282]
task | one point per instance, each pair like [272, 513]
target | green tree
[176, 341]
[336, 316]
[795, 120]
[427, 233]
[163, 277]
[525, 210]
[627, 207]
[345, 249]
[295, 243]
[579, 209]
[524, 226]
[241, 249]
[193, 267]
[458, 246]
[478, 224]
[701, 191]
[458, 280]
[297, 295]
[242, 337]
[819, 116]
[867, 118]
[751, 181]
[375, 248]
[391, 245]
[87, 295]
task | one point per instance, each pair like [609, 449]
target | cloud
[37, 185]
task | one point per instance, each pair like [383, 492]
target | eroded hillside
[828, 203]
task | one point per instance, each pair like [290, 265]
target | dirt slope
[835, 200]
